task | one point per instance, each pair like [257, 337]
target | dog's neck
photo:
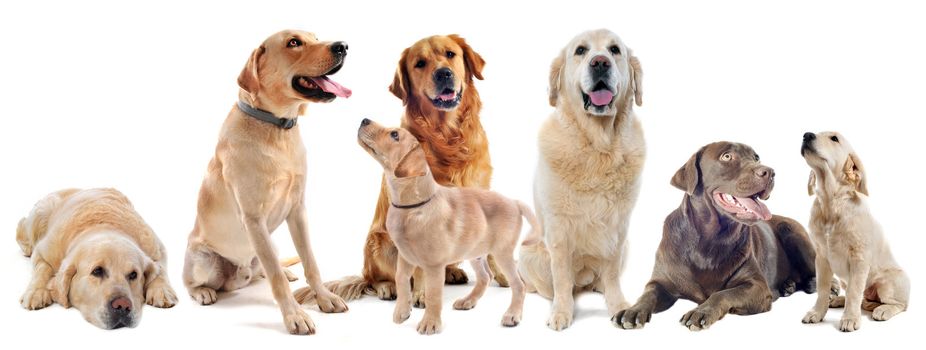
[709, 223]
[602, 132]
[829, 188]
[411, 192]
[279, 110]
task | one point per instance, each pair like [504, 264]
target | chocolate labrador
[722, 248]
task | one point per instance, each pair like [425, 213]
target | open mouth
[745, 208]
[600, 97]
[320, 87]
[447, 99]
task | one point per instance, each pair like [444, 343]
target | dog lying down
[433, 226]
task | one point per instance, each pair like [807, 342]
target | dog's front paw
[837, 301]
[385, 290]
[203, 295]
[885, 312]
[298, 322]
[632, 318]
[401, 313]
[429, 325]
[161, 295]
[330, 303]
[700, 318]
[559, 320]
[849, 324]
[510, 319]
[455, 275]
[464, 303]
[787, 288]
[813, 316]
[34, 299]
[418, 299]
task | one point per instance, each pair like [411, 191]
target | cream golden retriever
[588, 175]
[256, 180]
[848, 240]
[92, 251]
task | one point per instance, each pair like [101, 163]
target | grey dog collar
[266, 117]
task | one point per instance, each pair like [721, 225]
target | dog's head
[104, 276]
[730, 176]
[396, 149]
[830, 152]
[293, 67]
[596, 73]
[436, 71]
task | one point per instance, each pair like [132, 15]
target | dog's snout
[809, 136]
[339, 48]
[120, 305]
[600, 63]
[764, 172]
[364, 122]
[443, 75]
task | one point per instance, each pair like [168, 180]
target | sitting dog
[91, 250]
[433, 226]
[722, 248]
[847, 238]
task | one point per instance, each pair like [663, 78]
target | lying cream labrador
[848, 240]
[91, 250]
[433, 226]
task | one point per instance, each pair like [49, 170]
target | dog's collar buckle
[266, 117]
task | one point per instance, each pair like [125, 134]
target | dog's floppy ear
[855, 173]
[556, 76]
[249, 80]
[688, 177]
[60, 286]
[400, 83]
[474, 62]
[811, 183]
[152, 271]
[636, 79]
[412, 164]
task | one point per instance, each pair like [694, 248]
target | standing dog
[91, 250]
[434, 225]
[257, 178]
[588, 175]
[434, 80]
[722, 248]
[848, 240]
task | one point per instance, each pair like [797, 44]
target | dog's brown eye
[581, 50]
[757, 157]
[451, 54]
[419, 64]
[726, 157]
[132, 276]
[614, 49]
[395, 135]
[98, 272]
[294, 43]
[835, 139]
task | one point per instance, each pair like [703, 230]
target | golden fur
[587, 179]
[70, 234]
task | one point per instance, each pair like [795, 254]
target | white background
[132, 96]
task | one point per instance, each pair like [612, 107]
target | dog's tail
[290, 261]
[536, 233]
[25, 243]
[348, 288]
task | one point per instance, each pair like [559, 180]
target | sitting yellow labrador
[90, 249]
[434, 226]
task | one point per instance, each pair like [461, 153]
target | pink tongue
[755, 206]
[330, 86]
[448, 96]
[601, 97]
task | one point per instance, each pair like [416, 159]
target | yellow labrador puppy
[848, 240]
[433, 226]
[256, 180]
[91, 250]
[588, 174]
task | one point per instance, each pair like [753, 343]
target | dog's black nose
[600, 63]
[809, 136]
[364, 122]
[120, 305]
[443, 75]
[339, 48]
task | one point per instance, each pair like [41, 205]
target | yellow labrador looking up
[588, 175]
[91, 250]
[257, 178]
[848, 240]
[433, 226]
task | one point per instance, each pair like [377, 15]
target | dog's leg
[894, 293]
[748, 297]
[203, 274]
[611, 283]
[434, 288]
[498, 274]
[482, 280]
[512, 316]
[158, 292]
[563, 278]
[299, 230]
[403, 301]
[37, 294]
[855, 290]
[824, 278]
[655, 299]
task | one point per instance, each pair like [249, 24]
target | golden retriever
[92, 251]
[435, 81]
[848, 240]
[256, 180]
[474, 222]
[588, 174]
